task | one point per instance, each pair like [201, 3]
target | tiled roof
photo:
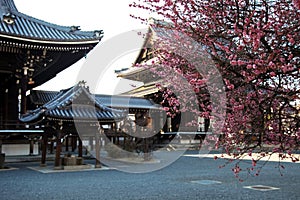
[146, 89]
[16, 25]
[83, 113]
[39, 98]
[115, 101]
[76, 104]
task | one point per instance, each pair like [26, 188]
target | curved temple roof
[40, 97]
[45, 48]
[75, 103]
[16, 25]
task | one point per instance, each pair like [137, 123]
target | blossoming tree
[255, 45]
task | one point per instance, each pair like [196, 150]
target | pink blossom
[296, 3]
[248, 47]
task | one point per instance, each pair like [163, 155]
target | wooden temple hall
[32, 52]
[75, 114]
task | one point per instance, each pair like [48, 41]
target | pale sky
[111, 16]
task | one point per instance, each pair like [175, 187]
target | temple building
[34, 122]
[150, 80]
[76, 114]
[32, 52]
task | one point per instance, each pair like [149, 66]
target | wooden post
[67, 143]
[57, 164]
[51, 147]
[2, 156]
[79, 147]
[11, 103]
[44, 150]
[124, 142]
[31, 144]
[169, 124]
[118, 139]
[206, 125]
[6, 108]
[91, 142]
[74, 143]
[0, 145]
[23, 89]
[97, 146]
[146, 149]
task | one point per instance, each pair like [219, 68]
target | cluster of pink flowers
[255, 46]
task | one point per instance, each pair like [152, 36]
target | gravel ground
[187, 178]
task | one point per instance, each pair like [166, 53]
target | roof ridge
[23, 26]
[60, 106]
[63, 28]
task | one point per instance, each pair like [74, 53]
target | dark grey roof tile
[27, 27]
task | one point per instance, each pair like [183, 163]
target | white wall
[18, 149]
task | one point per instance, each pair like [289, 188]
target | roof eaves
[67, 34]
[48, 41]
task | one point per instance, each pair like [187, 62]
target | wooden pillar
[0, 145]
[11, 102]
[97, 146]
[79, 147]
[57, 163]
[67, 143]
[5, 109]
[118, 140]
[44, 150]
[2, 155]
[74, 143]
[51, 147]
[91, 142]
[31, 145]
[206, 125]
[146, 149]
[169, 124]
[113, 139]
[23, 89]
[124, 142]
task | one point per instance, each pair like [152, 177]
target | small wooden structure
[71, 110]
[76, 112]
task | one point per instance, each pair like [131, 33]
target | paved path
[269, 157]
[187, 178]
